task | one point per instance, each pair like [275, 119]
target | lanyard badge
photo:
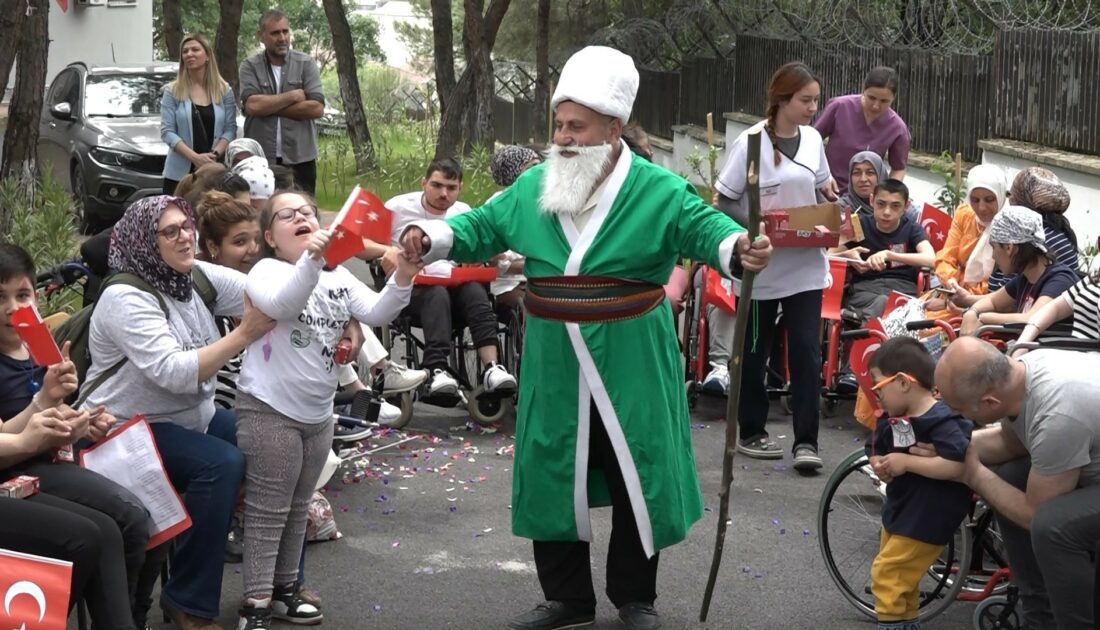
[903, 434]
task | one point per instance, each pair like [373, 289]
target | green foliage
[404, 151]
[308, 24]
[387, 95]
[698, 162]
[43, 224]
[950, 195]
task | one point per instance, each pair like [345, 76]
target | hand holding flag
[36, 335]
[363, 216]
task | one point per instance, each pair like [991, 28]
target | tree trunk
[225, 42]
[173, 27]
[21, 138]
[346, 68]
[443, 45]
[12, 16]
[542, 71]
[471, 104]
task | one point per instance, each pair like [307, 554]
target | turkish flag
[36, 335]
[35, 591]
[936, 224]
[363, 216]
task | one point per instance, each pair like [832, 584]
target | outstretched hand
[318, 243]
[415, 244]
[406, 269]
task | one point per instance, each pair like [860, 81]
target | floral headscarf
[134, 248]
[507, 163]
[1014, 225]
[1041, 190]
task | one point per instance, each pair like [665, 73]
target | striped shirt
[1059, 246]
[1084, 297]
[225, 388]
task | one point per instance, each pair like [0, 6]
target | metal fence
[1046, 89]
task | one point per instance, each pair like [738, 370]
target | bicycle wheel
[849, 519]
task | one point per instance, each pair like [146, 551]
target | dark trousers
[437, 309]
[170, 186]
[802, 321]
[92, 490]
[305, 174]
[565, 568]
[49, 526]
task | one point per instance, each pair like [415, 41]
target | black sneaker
[287, 604]
[252, 618]
[847, 384]
[639, 616]
[342, 433]
[553, 616]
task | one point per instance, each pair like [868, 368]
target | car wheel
[80, 212]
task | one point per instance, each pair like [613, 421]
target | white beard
[570, 180]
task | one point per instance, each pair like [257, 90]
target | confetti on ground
[782, 531]
[760, 490]
[378, 608]
[780, 467]
[805, 532]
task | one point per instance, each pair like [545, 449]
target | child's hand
[101, 423]
[60, 379]
[879, 260]
[406, 269]
[318, 243]
[892, 465]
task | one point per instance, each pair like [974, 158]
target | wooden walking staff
[741, 325]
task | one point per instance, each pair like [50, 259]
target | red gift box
[459, 276]
[805, 226]
[36, 336]
[19, 487]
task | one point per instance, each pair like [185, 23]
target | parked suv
[100, 136]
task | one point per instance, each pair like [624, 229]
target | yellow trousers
[896, 574]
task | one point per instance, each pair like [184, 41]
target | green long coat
[647, 220]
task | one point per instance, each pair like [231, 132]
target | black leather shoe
[553, 616]
[639, 616]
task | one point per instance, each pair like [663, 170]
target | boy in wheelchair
[893, 250]
[923, 509]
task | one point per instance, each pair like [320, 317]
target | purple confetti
[782, 531]
[452, 508]
[758, 575]
[385, 481]
[381, 499]
[378, 608]
[805, 532]
[744, 466]
[707, 509]
[775, 521]
[388, 511]
[780, 467]
[746, 569]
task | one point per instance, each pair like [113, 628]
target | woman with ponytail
[793, 171]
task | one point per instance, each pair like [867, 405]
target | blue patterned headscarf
[134, 248]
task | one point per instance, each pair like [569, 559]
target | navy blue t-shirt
[903, 240]
[1056, 279]
[928, 510]
[16, 390]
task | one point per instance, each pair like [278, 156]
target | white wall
[100, 35]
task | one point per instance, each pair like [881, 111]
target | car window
[124, 95]
[65, 89]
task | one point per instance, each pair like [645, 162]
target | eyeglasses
[286, 215]
[173, 232]
[890, 379]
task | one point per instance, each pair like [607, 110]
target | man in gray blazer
[281, 96]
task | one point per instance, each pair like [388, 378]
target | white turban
[600, 78]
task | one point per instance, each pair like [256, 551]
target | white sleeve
[442, 239]
[376, 309]
[281, 295]
[823, 173]
[731, 181]
[229, 283]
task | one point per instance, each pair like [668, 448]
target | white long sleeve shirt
[292, 368]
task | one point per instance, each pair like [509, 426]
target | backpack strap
[206, 289]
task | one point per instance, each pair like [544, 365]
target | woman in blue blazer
[198, 114]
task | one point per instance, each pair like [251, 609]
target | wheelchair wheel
[487, 408]
[404, 400]
[849, 521]
[785, 404]
[996, 613]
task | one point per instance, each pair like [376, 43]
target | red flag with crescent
[34, 591]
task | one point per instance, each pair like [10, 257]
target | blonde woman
[198, 114]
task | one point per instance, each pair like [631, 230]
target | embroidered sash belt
[584, 299]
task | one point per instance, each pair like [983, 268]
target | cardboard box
[19, 487]
[806, 226]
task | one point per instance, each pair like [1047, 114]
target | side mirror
[62, 111]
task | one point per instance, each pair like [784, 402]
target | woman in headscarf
[1038, 189]
[242, 149]
[156, 351]
[1019, 247]
[866, 170]
[261, 179]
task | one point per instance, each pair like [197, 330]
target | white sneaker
[442, 383]
[401, 379]
[497, 379]
[717, 381]
[388, 414]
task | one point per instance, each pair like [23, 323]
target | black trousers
[802, 321]
[565, 568]
[305, 174]
[170, 186]
[46, 525]
[437, 309]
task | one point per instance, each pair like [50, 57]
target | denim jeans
[207, 469]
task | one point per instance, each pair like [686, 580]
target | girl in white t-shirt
[793, 169]
[284, 400]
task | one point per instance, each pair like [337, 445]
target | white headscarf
[255, 171]
[989, 177]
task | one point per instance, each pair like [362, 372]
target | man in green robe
[602, 417]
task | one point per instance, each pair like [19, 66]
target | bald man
[1046, 491]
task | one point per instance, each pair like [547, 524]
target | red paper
[936, 224]
[35, 591]
[719, 291]
[860, 357]
[363, 216]
[36, 336]
[64, 4]
[459, 276]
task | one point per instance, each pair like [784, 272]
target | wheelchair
[484, 407]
